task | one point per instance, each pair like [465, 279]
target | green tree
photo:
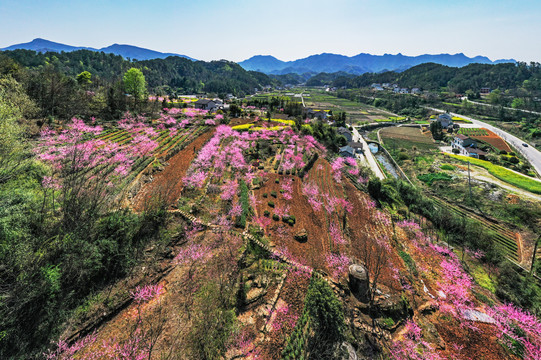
[14, 104]
[517, 103]
[84, 78]
[135, 85]
[436, 130]
[327, 315]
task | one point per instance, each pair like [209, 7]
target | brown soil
[167, 184]
[481, 344]
[363, 231]
[311, 252]
[494, 140]
[241, 121]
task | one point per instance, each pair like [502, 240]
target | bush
[447, 167]
[265, 195]
[277, 181]
[403, 156]
[275, 217]
[271, 204]
[274, 194]
[266, 213]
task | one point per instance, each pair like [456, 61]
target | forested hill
[472, 77]
[172, 74]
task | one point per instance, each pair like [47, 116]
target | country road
[530, 153]
[372, 162]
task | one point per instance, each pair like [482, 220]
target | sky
[287, 29]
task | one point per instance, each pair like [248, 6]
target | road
[530, 153]
[368, 155]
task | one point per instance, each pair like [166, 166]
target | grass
[483, 279]
[447, 167]
[429, 179]
[511, 177]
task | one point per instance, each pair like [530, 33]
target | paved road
[530, 153]
[368, 155]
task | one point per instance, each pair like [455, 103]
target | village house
[484, 91]
[347, 151]
[445, 120]
[467, 147]
[345, 133]
[318, 114]
[357, 147]
[209, 105]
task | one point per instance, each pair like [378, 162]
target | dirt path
[483, 175]
[167, 184]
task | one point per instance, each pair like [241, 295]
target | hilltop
[126, 51]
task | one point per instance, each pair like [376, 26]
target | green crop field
[473, 132]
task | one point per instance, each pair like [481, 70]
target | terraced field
[503, 236]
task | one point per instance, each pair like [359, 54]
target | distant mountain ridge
[126, 51]
[358, 64]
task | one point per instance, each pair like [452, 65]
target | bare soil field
[167, 184]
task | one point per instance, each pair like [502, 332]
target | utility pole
[469, 181]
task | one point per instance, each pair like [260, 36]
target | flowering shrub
[146, 292]
[519, 330]
[337, 264]
[284, 319]
[413, 347]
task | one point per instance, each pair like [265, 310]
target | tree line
[87, 83]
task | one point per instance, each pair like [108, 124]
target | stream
[383, 160]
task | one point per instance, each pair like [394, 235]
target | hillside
[433, 76]
[258, 244]
[358, 64]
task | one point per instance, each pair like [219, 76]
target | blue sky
[288, 29]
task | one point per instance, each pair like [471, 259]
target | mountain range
[126, 51]
[314, 64]
[358, 64]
